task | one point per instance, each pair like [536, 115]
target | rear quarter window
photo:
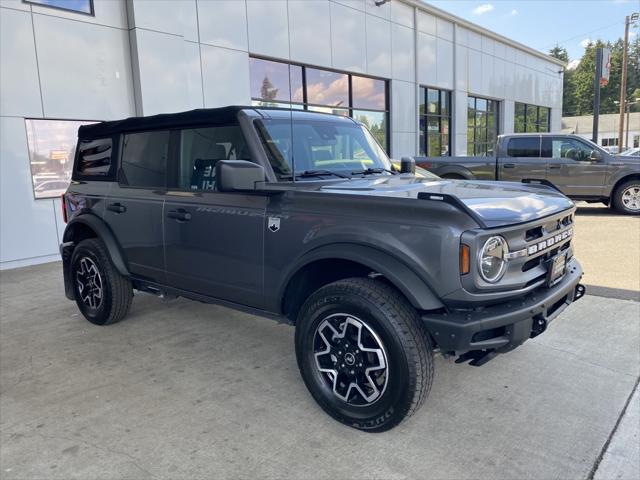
[94, 157]
[523, 147]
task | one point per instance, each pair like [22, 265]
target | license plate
[557, 269]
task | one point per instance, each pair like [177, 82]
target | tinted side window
[201, 149]
[569, 148]
[524, 147]
[144, 159]
[94, 157]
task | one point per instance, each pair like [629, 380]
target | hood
[627, 159]
[494, 203]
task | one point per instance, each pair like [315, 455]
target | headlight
[492, 259]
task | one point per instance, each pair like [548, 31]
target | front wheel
[363, 354]
[626, 198]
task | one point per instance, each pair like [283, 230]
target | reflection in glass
[52, 146]
[368, 93]
[333, 111]
[80, 6]
[327, 88]
[275, 81]
[434, 126]
[376, 122]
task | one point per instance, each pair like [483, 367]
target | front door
[213, 240]
[573, 167]
[521, 160]
[133, 207]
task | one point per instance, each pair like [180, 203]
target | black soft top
[200, 116]
[209, 116]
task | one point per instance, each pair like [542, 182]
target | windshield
[320, 147]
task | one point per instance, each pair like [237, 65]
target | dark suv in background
[300, 216]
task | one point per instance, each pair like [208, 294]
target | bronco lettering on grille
[549, 242]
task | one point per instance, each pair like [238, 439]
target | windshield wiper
[320, 173]
[371, 171]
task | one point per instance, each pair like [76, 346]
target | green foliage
[578, 83]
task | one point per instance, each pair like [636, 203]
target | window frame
[57, 7]
[538, 121]
[350, 108]
[175, 149]
[426, 116]
[496, 116]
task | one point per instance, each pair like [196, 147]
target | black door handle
[116, 207]
[180, 215]
[509, 165]
[555, 167]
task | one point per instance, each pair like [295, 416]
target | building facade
[424, 81]
[608, 126]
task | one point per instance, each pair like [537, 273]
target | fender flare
[455, 169]
[417, 291]
[104, 233]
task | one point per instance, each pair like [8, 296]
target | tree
[568, 90]
[267, 91]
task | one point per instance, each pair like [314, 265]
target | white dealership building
[425, 81]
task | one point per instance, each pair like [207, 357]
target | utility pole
[623, 80]
[596, 95]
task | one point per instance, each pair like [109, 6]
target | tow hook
[580, 291]
[477, 357]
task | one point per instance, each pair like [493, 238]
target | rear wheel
[101, 293]
[363, 354]
[626, 198]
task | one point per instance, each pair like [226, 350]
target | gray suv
[301, 216]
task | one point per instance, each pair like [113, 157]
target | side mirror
[595, 156]
[407, 165]
[238, 175]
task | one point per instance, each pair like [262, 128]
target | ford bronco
[301, 216]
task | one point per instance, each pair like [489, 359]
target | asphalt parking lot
[187, 390]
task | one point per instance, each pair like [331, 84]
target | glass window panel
[327, 88]
[297, 89]
[368, 93]
[471, 103]
[544, 119]
[292, 106]
[376, 122]
[80, 6]
[270, 81]
[433, 101]
[52, 148]
[144, 159]
[433, 125]
[333, 111]
[444, 126]
[524, 147]
[201, 149]
[481, 104]
[423, 96]
[519, 118]
[445, 101]
[95, 157]
[445, 145]
[433, 145]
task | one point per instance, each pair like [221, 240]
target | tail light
[64, 207]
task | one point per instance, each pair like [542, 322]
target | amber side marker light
[64, 207]
[465, 260]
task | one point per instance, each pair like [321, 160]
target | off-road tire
[409, 351]
[116, 290]
[618, 202]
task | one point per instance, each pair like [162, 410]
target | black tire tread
[121, 289]
[403, 317]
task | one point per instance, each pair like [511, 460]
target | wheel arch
[626, 178]
[328, 264]
[455, 172]
[90, 226]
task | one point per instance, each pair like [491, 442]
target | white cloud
[514, 12]
[482, 9]
[573, 64]
[585, 43]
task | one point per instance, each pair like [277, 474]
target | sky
[540, 24]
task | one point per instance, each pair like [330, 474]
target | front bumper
[503, 327]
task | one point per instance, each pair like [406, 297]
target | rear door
[213, 240]
[571, 167]
[134, 204]
[521, 159]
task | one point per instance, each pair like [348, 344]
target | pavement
[182, 389]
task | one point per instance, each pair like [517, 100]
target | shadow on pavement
[619, 293]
